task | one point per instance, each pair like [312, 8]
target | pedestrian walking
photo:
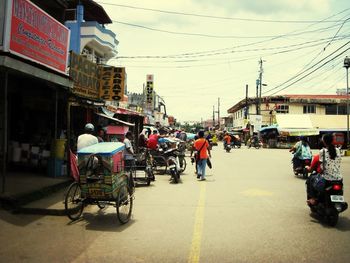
[203, 152]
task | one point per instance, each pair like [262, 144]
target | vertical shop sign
[149, 89]
[36, 36]
[112, 83]
[86, 76]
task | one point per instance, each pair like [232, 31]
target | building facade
[293, 114]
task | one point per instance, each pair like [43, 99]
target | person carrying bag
[203, 153]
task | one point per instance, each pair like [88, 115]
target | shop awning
[115, 119]
[271, 127]
[293, 121]
[298, 132]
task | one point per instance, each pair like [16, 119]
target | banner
[36, 36]
[112, 83]
[149, 89]
[86, 76]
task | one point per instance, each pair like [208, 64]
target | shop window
[282, 109]
[309, 109]
[335, 109]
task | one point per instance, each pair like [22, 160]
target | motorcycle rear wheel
[332, 219]
[175, 176]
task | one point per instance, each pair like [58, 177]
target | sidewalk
[34, 193]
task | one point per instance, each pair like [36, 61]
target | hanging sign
[112, 83]
[86, 76]
[149, 89]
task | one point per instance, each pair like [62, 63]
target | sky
[202, 50]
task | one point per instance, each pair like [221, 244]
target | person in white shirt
[87, 138]
[129, 151]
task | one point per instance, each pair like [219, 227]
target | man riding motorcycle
[227, 140]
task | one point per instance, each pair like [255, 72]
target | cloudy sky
[202, 50]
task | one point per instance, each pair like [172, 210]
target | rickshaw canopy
[103, 148]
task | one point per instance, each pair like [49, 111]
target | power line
[222, 17]
[187, 55]
[311, 72]
[298, 74]
[218, 36]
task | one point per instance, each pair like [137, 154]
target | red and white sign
[36, 36]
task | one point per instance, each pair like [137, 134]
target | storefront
[33, 108]
[34, 87]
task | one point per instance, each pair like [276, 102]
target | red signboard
[37, 36]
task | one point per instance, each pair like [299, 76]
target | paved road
[251, 209]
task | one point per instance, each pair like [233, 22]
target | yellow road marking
[198, 227]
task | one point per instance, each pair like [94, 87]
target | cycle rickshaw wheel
[124, 204]
[73, 203]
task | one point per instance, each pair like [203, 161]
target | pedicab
[102, 181]
[142, 170]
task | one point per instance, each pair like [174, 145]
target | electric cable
[221, 17]
[310, 72]
[290, 79]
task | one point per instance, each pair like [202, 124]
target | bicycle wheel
[124, 204]
[73, 203]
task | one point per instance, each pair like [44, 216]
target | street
[251, 208]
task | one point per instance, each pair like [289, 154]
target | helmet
[89, 127]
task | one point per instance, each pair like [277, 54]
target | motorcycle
[300, 169]
[255, 144]
[235, 144]
[227, 147]
[330, 202]
[173, 164]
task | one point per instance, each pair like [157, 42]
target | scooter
[173, 165]
[330, 202]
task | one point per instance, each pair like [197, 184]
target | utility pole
[246, 102]
[213, 115]
[261, 70]
[257, 98]
[219, 112]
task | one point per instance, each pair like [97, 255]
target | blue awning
[274, 126]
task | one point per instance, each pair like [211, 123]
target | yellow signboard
[112, 83]
[85, 75]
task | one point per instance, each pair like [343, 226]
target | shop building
[34, 84]
[285, 117]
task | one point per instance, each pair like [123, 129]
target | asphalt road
[251, 208]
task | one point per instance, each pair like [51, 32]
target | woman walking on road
[203, 152]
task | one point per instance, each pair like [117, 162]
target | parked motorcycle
[330, 203]
[236, 144]
[173, 164]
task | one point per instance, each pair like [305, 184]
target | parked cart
[102, 182]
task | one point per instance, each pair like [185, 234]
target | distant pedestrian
[203, 152]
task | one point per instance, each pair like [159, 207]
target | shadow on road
[342, 225]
